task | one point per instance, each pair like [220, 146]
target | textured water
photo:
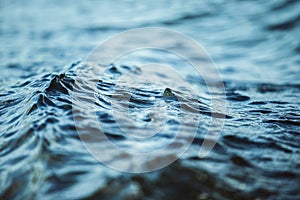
[255, 46]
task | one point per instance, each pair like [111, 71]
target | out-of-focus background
[254, 44]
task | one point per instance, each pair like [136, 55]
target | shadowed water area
[255, 47]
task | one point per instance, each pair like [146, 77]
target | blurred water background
[254, 44]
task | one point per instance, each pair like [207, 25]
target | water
[255, 46]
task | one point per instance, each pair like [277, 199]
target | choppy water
[256, 48]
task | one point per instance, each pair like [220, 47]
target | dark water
[256, 48]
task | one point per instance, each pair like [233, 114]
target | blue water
[255, 46]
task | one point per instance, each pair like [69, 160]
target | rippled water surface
[255, 46]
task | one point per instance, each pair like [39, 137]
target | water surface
[256, 48]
